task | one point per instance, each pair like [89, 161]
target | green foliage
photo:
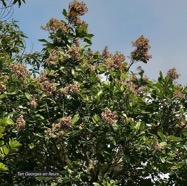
[124, 130]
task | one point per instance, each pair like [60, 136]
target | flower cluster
[33, 103]
[44, 83]
[4, 78]
[55, 24]
[52, 57]
[131, 87]
[178, 94]
[20, 122]
[48, 87]
[140, 90]
[74, 51]
[105, 53]
[92, 68]
[157, 146]
[77, 8]
[172, 74]
[2, 87]
[109, 116]
[58, 129]
[19, 70]
[42, 77]
[133, 78]
[65, 121]
[113, 61]
[70, 89]
[141, 51]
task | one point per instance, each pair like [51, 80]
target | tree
[124, 130]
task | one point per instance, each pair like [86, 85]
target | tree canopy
[84, 114]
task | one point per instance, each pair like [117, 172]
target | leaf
[64, 13]
[184, 132]
[161, 135]
[101, 68]
[39, 116]
[4, 4]
[98, 94]
[6, 121]
[161, 77]
[178, 165]
[88, 38]
[174, 138]
[18, 1]
[1, 135]
[75, 119]
[43, 40]
[96, 184]
[2, 129]
[95, 119]
[14, 143]
[172, 155]
[3, 167]
[137, 126]
[28, 96]
[5, 149]
[2, 96]
[163, 144]
[1, 143]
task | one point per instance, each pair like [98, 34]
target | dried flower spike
[109, 116]
[77, 8]
[141, 51]
[20, 122]
[172, 74]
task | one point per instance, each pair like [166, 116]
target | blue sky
[118, 23]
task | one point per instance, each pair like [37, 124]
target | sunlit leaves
[3, 167]
[6, 121]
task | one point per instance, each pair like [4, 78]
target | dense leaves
[83, 113]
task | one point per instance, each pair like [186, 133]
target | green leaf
[161, 77]
[75, 119]
[96, 119]
[3, 167]
[174, 138]
[137, 126]
[161, 135]
[6, 121]
[1, 135]
[2, 96]
[178, 165]
[96, 184]
[43, 40]
[5, 149]
[101, 68]
[28, 96]
[2, 129]
[64, 13]
[184, 132]
[1, 143]
[14, 143]
[172, 155]
[39, 116]
[163, 144]
[88, 38]
[98, 94]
